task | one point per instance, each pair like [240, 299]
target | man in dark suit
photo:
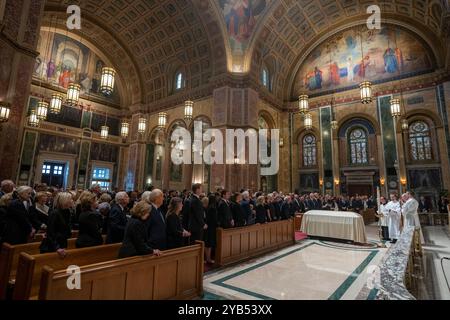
[224, 212]
[117, 219]
[423, 205]
[286, 208]
[297, 204]
[156, 224]
[357, 204]
[196, 213]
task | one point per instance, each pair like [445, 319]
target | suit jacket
[156, 229]
[17, 224]
[135, 240]
[285, 210]
[174, 231]
[196, 215]
[185, 213]
[89, 234]
[58, 231]
[224, 214]
[239, 215]
[117, 222]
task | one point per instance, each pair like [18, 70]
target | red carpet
[300, 235]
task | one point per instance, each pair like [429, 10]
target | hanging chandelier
[162, 120]
[41, 110]
[104, 132]
[4, 112]
[308, 121]
[33, 120]
[303, 104]
[56, 103]
[366, 92]
[73, 94]
[142, 125]
[125, 129]
[395, 108]
[107, 81]
[188, 109]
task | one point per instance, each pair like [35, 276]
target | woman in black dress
[175, 232]
[237, 210]
[261, 210]
[211, 221]
[135, 241]
[59, 228]
[89, 222]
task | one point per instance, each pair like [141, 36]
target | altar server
[384, 221]
[393, 213]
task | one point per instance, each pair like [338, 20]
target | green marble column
[327, 149]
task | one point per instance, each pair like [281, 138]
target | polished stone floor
[311, 269]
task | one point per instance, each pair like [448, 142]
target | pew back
[9, 259]
[30, 266]
[176, 274]
[238, 244]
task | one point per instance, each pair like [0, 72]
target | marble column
[336, 168]
[19, 31]
[234, 108]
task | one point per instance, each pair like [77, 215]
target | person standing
[117, 219]
[239, 216]
[261, 210]
[90, 222]
[394, 213]
[410, 214]
[383, 216]
[156, 224]
[175, 232]
[211, 221]
[224, 211]
[196, 218]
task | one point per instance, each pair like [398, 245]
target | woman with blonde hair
[175, 232]
[135, 241]
[89, 222]
[40, 207]
[59, 226]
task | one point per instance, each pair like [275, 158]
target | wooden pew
[9, 260]
[238, 244]
[176, 274]
[39, 236]
[30, 266]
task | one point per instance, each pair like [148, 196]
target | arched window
[309, 151]
[179, 80]
[420, 141]
[265, 78]
[358, 146]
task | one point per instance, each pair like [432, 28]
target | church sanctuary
[224, 150]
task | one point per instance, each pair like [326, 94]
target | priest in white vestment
[393, 213]
[410, 214]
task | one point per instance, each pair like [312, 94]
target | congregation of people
[156, 220]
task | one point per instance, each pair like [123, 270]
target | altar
[334, 224]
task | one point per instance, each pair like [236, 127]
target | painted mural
[63, 59]
[240, 18]
[339, 63]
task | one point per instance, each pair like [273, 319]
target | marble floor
[311, 269]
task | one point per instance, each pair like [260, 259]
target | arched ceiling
[145, 39]
[292, 28]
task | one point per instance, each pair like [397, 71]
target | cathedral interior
[359, 96]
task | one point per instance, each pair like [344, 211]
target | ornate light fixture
[334, 124]
[41, 110]
[73, 93]
[303, 104]
[142, 125]
[104, 132]
[125, 129]
[365, 89]
[162, 120]
[405, 124]
[395, 108]
[107, 81]
[56, 103]
[308, 121]
[33, 120]
[281, 142]
[4, 112]
[188, 109]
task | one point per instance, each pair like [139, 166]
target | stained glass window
[265, 79]
[358, 146]
[309, 150]
[420, 141]
[179, 81]
[46, 169]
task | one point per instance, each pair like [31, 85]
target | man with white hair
[156, 223]
[6, 186]
[117, 219]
